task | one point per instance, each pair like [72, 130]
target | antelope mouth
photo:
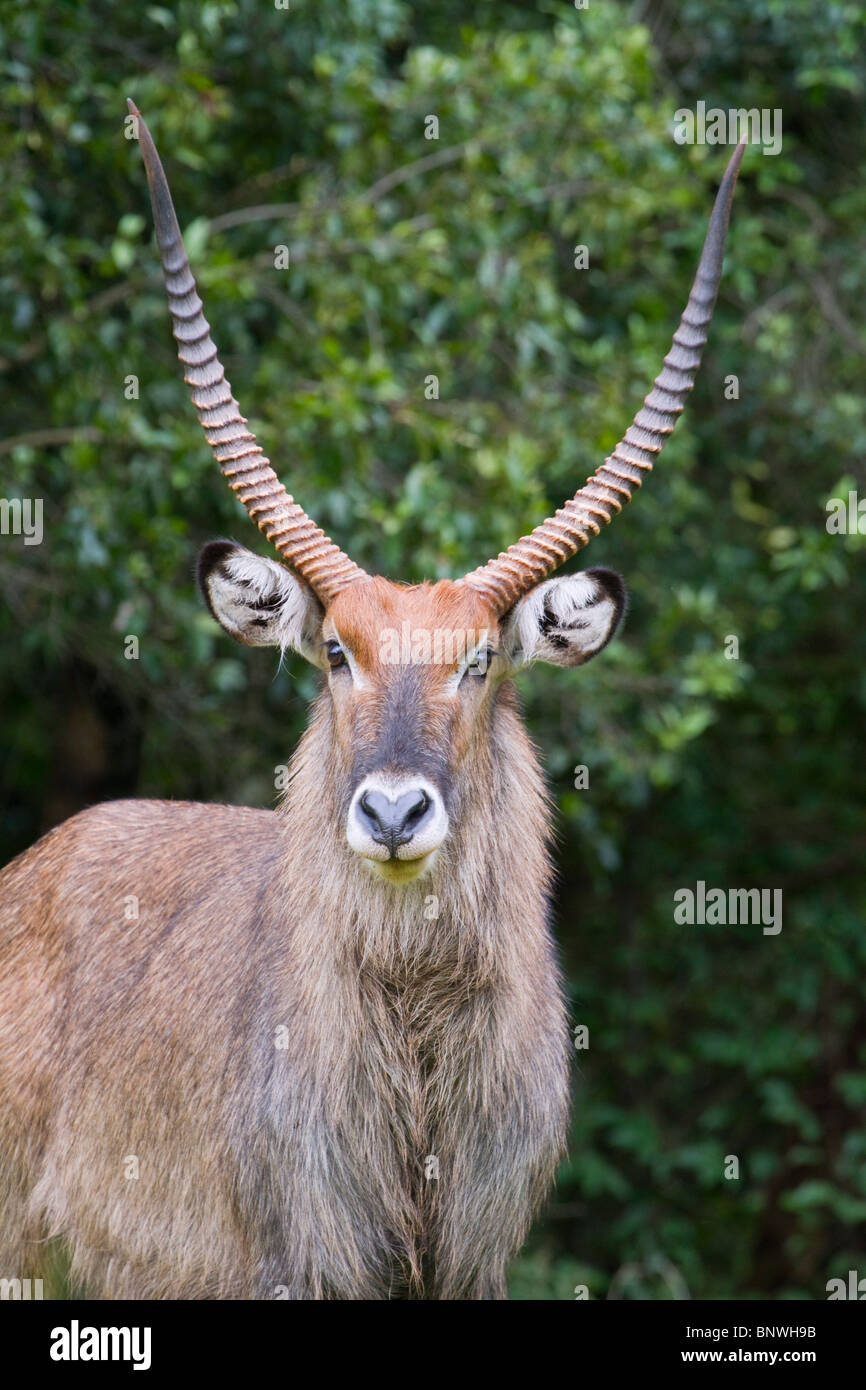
[401, 870]
[396, 825]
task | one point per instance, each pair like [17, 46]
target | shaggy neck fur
[424, 1007]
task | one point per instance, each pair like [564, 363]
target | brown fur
[283, 1039]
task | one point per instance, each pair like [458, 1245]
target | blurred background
[454, 257]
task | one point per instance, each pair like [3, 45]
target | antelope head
[415, 672]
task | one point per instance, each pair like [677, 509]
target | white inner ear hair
[260, 602]
[582, 614]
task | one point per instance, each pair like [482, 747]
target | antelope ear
[258, 601]
[566, 621]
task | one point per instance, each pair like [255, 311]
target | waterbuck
[329, 1056]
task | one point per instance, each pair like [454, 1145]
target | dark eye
[336, 655]
[479, 664]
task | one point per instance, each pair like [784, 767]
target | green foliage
[411, 257]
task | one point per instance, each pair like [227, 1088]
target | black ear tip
[211, 555]
[612, 583]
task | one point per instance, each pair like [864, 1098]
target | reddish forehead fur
[361, 612]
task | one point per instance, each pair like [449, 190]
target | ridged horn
[301, 543]
[525, 563]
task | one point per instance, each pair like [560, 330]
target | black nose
[393, 823]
